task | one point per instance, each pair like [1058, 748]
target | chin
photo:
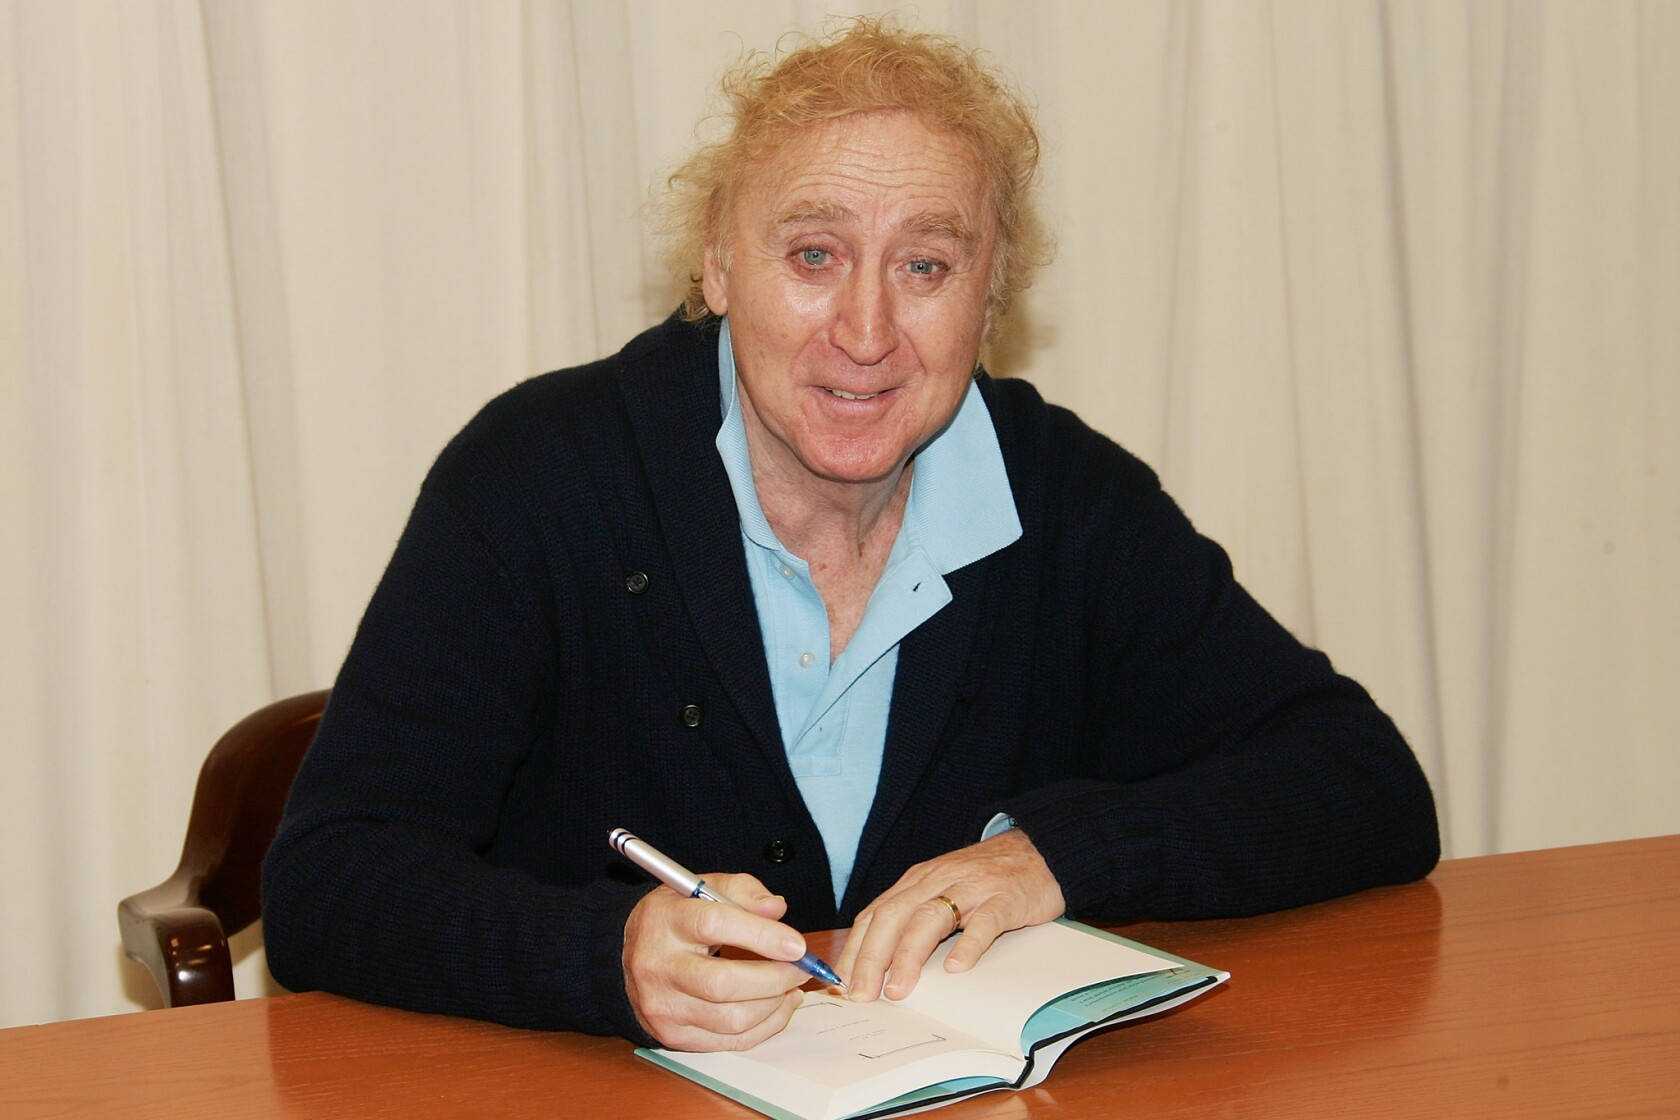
[853, 468]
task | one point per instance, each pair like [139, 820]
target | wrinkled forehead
[935, 177]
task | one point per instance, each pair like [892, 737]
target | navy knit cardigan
[565, 642]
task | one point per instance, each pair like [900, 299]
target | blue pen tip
[819, 968]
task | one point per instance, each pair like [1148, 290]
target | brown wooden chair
[179, 929]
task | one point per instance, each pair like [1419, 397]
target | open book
[1001, 1025]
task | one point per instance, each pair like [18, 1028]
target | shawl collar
[671, 394]
[933, 674]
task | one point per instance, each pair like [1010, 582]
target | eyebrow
[942, 223]
[945, 224]
[810, 213]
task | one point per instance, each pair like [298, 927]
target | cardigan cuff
[608, 967]
[1105, 855]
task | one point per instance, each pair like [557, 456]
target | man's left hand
[995, 886]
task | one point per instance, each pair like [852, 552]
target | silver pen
[681, 879]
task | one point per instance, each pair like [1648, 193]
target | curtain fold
[1385, 291]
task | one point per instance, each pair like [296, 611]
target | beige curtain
[1389, 292]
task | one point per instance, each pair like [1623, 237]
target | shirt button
[785, 570]
[690, 715]
[778, 851]
[636, 583]
[806, 659]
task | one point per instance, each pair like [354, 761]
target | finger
[748, 893]
[699, 1002]
[772, 1024]
[930, 923]
[723, 980]
[870, 949]
[710, 924]
[740, 1027]
[880, 927]
[847, 960]
[908, 911]
[980, 930]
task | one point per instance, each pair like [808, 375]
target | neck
[813, 516]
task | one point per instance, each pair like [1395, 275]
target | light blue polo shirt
[834, 716]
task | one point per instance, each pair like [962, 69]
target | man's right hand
[689, 999]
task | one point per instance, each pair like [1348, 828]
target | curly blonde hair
[864, 65]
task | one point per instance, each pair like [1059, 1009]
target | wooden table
[1537, 984]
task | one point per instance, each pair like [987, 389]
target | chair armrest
[181, 945]
[179, 928]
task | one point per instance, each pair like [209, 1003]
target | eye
[925, 267]
[813, 258]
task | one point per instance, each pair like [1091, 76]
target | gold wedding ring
[956, 913]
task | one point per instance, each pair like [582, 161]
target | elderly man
[792, 588]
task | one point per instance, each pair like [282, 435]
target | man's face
[860, 256]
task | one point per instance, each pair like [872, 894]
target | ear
[714, 282]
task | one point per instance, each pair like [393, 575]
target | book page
[832, 1041]
[1022, 971]
[837, 1057]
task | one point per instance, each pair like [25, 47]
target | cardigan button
[690, 715]
[636, 583]
[778, 851]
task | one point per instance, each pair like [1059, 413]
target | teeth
[845, 396]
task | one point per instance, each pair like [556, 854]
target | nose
[863, 323]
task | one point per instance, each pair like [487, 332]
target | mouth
[845, 396]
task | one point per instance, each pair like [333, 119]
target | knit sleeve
[1230, 769]
[376, 885]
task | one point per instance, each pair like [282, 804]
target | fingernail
[793, 947]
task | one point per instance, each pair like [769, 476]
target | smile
[845, 396]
